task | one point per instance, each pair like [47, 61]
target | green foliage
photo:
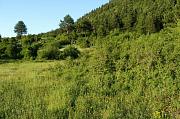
[13, 49]
[63, 39]
[133, 15]
[3, 46]
[85, 28]
[30, 46]
[53, 52]
[67, 23]
[71, 52]
[49, 53]
[84, 42]
[30, 52]
[20, 28]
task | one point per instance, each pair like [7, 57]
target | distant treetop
[67, 23]
[20, 28]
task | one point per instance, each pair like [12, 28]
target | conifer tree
[20, 28]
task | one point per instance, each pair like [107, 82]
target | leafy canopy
[20, 28]
[67, 23]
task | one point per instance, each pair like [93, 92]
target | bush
[63, 39]
[59, 43]
[71, 52]
[84, 42]
[13, 49]
[52, 52]
[30, 52]
[49, 53]
[2, 52]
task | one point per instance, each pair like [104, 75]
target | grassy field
[29, 90]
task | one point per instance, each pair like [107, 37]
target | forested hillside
[120, 61]
[144, 16]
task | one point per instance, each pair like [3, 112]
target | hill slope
[145, 16]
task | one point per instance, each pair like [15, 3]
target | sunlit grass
[31, 84]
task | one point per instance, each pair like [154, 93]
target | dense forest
[120, 61]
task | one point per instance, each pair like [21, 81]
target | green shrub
[30, 52]
[2, 52]
[49, 53]
[63, 39]
[83, 42]
[52, 52]
[71, 52]
[13, 49]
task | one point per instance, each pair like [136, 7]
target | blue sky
[41, 15]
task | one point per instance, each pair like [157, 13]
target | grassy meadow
[29, 90]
